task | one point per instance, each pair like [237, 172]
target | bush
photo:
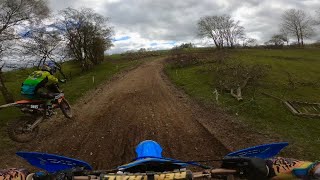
[232, 76]
[132, 55]
[183, 60]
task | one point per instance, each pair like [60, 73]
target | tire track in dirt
[140, 105]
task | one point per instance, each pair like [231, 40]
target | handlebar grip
[30, 176]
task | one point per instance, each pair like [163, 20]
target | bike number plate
[34, 106]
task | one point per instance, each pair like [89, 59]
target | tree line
[82, 35]
[225, 32]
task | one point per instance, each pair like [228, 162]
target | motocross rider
[33, 87]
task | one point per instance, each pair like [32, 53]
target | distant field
[265, 113]
[78, 85]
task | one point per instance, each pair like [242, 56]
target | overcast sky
[158, 24]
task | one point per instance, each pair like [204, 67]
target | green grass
[264, 113]
[77, 86]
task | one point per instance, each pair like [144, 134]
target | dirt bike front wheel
[19, 129]
[66, 108]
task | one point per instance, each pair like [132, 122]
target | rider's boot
[49, 111]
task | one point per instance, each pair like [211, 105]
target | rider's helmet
[51, 67]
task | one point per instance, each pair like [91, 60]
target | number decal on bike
[56, 161]
[34, 106]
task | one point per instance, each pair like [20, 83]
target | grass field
[264, 113]
[78, 85]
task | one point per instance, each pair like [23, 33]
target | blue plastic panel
[263, 151]
[52, 163]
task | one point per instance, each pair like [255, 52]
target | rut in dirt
[138, 106]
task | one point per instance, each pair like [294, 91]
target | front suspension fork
[36, 123]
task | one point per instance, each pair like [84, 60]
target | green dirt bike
[26, 128]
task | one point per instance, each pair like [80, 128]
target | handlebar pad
[183, 175]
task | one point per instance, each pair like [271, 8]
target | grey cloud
[168, 20]
[57, 5]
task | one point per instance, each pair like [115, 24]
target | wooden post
[217, 95]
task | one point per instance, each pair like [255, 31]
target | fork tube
[35, 124]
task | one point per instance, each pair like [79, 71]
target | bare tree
[43, 44]
[232, 31]
[19, 12]
[285, 36]
[15, 13]
[297, 23]
[223, 30]
[277, 41]
[88, 35]
[207, 27]
[249, 42]
[236, 77]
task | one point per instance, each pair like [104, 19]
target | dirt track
[140, 105]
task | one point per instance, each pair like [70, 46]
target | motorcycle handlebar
[230, 174]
